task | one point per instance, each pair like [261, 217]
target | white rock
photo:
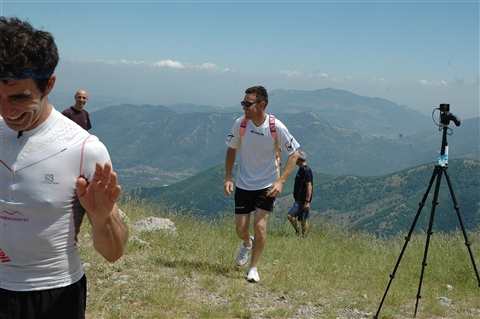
[154, 224]
[444, 301]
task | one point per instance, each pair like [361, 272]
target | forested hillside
[383, 205]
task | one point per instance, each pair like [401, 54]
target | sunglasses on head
[248, 104]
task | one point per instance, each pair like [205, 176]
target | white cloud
[367, 80]
[90, 61]
[203, 66]
[123, 61]
[379, 80]
[289, 73]
[159, 64]
[433, 83]
[169, 64]
[319, 75]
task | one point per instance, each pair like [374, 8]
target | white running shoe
[244, 253]
[252, 275]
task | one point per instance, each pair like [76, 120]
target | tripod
[440, 169]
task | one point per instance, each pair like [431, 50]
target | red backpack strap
[243, 127]
[273, 130]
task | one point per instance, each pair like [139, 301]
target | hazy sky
[417, 53]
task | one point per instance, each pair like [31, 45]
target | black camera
[446, 116]
[444, 108]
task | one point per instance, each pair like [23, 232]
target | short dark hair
[26, 52]
[260, 92]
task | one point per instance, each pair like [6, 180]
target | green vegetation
[382, 205]
[330, 273]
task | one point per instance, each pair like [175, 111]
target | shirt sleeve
[233, 136]
[94, 151]
[285, 140]
[89, 124]
[308, 175]
[66, 113]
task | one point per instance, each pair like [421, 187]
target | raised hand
[101, 194]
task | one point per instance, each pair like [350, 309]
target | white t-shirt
[40, 215]
[257, 167]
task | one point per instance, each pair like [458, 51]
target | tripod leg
[407, 239]
[457, 209]
[438, 169]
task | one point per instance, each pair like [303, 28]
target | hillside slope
[382, 205]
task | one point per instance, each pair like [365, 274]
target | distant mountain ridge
[371, 115]
[348, 110]
[157, 145]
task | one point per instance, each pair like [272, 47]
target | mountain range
[371, 158]
[341, 132]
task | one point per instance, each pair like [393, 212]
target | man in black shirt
[76, 113]
[302, 193]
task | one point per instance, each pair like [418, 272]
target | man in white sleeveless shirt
[52, 172]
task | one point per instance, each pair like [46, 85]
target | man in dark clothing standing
[302, 193]
[76, 113]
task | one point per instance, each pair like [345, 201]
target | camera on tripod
[440, 169]
[446, 116]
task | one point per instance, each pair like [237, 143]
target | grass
[330, 273]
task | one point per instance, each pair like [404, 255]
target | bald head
[81, 97]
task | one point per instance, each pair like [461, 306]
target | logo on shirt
[50, 179]
[3, 257]
[258, 133]
[288, 145]
[229, 137]
[16, 216]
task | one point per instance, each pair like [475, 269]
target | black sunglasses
[248, 104]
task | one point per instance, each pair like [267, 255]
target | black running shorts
[248, 201]
[67, 302]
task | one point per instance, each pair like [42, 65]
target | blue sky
[416, 53]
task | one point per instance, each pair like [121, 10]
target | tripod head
[446, 116]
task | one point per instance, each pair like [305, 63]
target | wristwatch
[307, 201]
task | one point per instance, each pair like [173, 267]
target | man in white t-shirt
[258, 181]
[52, 173]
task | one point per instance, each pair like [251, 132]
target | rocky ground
[262, 303]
